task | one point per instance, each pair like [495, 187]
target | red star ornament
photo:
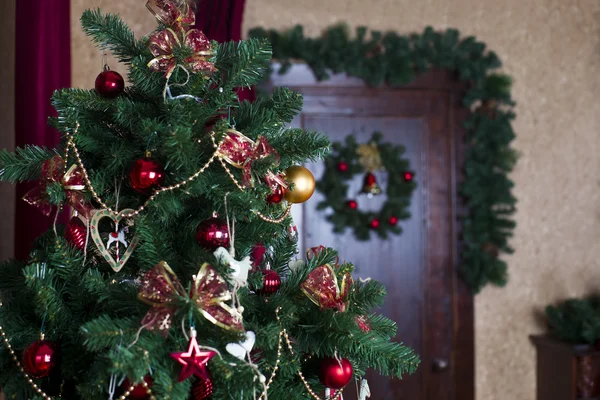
[193, 361]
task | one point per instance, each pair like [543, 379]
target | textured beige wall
[552, 49]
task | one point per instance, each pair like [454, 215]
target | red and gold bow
[322, 288]
[162, 290]
[241, 152]
[177, 14]
[53, 170]
[162, 44]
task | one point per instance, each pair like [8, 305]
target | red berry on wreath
[408, 176]
[352, 204]
[39, 358]
[213, 233]
[109, 84]
[374, 224]
[146, 174]
[342, 166]
[334, 373]
[393, 220]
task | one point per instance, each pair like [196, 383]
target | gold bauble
[303, 183]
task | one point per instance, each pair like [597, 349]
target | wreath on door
[349, 159]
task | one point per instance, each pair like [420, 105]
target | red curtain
[43, 64]
[221, 20]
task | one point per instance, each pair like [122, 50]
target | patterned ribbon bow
[321, 285]
[162, 290]
[53, 170]
[241, 152]
[177, 14]
[178, 17]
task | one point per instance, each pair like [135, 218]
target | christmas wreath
[351, 158]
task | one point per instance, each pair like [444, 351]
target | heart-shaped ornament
[118, 247]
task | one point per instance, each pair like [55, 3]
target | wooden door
[433, 309]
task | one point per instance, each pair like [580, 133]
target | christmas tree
[177, 276]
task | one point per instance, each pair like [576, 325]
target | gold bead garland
[131, 388]
[71, 145]
[37, 388]
[283, 333]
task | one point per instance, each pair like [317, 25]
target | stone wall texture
[552, 50]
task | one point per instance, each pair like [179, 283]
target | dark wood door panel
[433, 308]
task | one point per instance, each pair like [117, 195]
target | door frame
[301, 78]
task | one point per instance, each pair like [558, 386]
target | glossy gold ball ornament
[303, 183]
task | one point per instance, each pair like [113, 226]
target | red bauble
[257, 254]
[76, 233]
[146, 175]
[139, 392]
[39, 358]
[109, 84]
[393, 220]
[408, 176]
[374, 224]
[212, 233]
[352, 204]
[271, 282]
[333, 375]
[202, 389]
[342, 166]
[277, 194]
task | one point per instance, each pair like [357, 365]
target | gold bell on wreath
[370, 186]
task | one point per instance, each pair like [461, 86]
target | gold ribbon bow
[162, 290]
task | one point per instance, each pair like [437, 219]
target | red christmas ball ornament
[408, 176]
[374, 224]
[352, 204]
[146, 174]
[202, 389]
[39, 358]
[334, 373]
[277, 195]
[109, 84]
[393, 220]
[342, 166]
[76, 233]
[271, 282]
[139, 392]
[212, 233]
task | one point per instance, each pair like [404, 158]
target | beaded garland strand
[283, 334]
[71, 145]
[39, 391]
